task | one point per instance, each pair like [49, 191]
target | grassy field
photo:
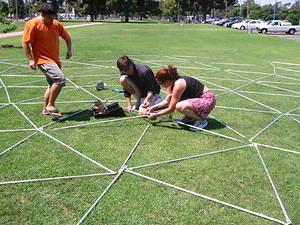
[256, 79]
[20, 25]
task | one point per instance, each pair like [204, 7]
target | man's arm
[128, 101]
[28, 53]
[69, 48]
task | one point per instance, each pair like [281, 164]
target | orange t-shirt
[44, 40]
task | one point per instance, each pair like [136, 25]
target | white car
[277, 26]
[247, 24]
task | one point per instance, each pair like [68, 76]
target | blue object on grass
[118, 90]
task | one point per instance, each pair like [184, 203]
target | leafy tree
[173, 9]
[20, 8]
[196, 7]
[93, 8]
[74, 4]
[256, 12]
[122, 7]
[4, 10]
[234, 12]
[147, 7]
[268, 11]
[282, 13]
[294, 16]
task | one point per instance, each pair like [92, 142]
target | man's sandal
[55, 113]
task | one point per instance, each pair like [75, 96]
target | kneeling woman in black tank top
[185, 94]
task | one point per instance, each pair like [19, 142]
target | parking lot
[287, 36]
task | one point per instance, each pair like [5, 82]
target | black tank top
[193, 88]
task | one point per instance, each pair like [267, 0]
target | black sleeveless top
[193, 88]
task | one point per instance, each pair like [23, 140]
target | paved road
[19, 33]
[287, 36]
[295, 36]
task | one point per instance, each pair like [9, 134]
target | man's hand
[129, 107]
[69, 54]
[32, 64]
[146, 104]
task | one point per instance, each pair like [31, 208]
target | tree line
[175, 9]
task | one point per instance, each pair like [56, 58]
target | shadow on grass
[83, 116]
[212, 125]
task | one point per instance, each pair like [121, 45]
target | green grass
[20, 25]
[236, 177]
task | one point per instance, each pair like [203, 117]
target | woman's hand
[151, 109]
[152, 116]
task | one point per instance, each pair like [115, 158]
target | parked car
[223, 21]
[230, 23]
[277, 26]
[27, 19]
[246, 24]
[215, 21]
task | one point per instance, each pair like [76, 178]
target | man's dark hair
[47, 9]
[124, 62]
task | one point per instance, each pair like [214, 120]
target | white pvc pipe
[87, 64]
[298, 121]
[135, 146]
[55, 178]
[281, 149]
[206, 197]
[17, 130]
[20, 75]
[251, 72]
[282, 68]
[272, 94]
[84, 90]
[23, 114]
[246, 96]
[100, 197]
[245, 109]
[279, 88]
[213, 67]
[293, 110]
[276, 82]
[5, 89]
[16, 144]
[290, 78]
[4, 105]
[207, 131]
[273, 185]
[190, 157]
[285, 63]
[265, 128]
[226, 125]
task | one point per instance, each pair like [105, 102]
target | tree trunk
[126, 19]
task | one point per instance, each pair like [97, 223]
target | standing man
[41, 45]
[138, 80]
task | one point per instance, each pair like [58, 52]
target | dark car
[236, 20]
[223, 21]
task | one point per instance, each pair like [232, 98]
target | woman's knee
[180, 106]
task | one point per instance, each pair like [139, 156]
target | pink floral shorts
[204, 104]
